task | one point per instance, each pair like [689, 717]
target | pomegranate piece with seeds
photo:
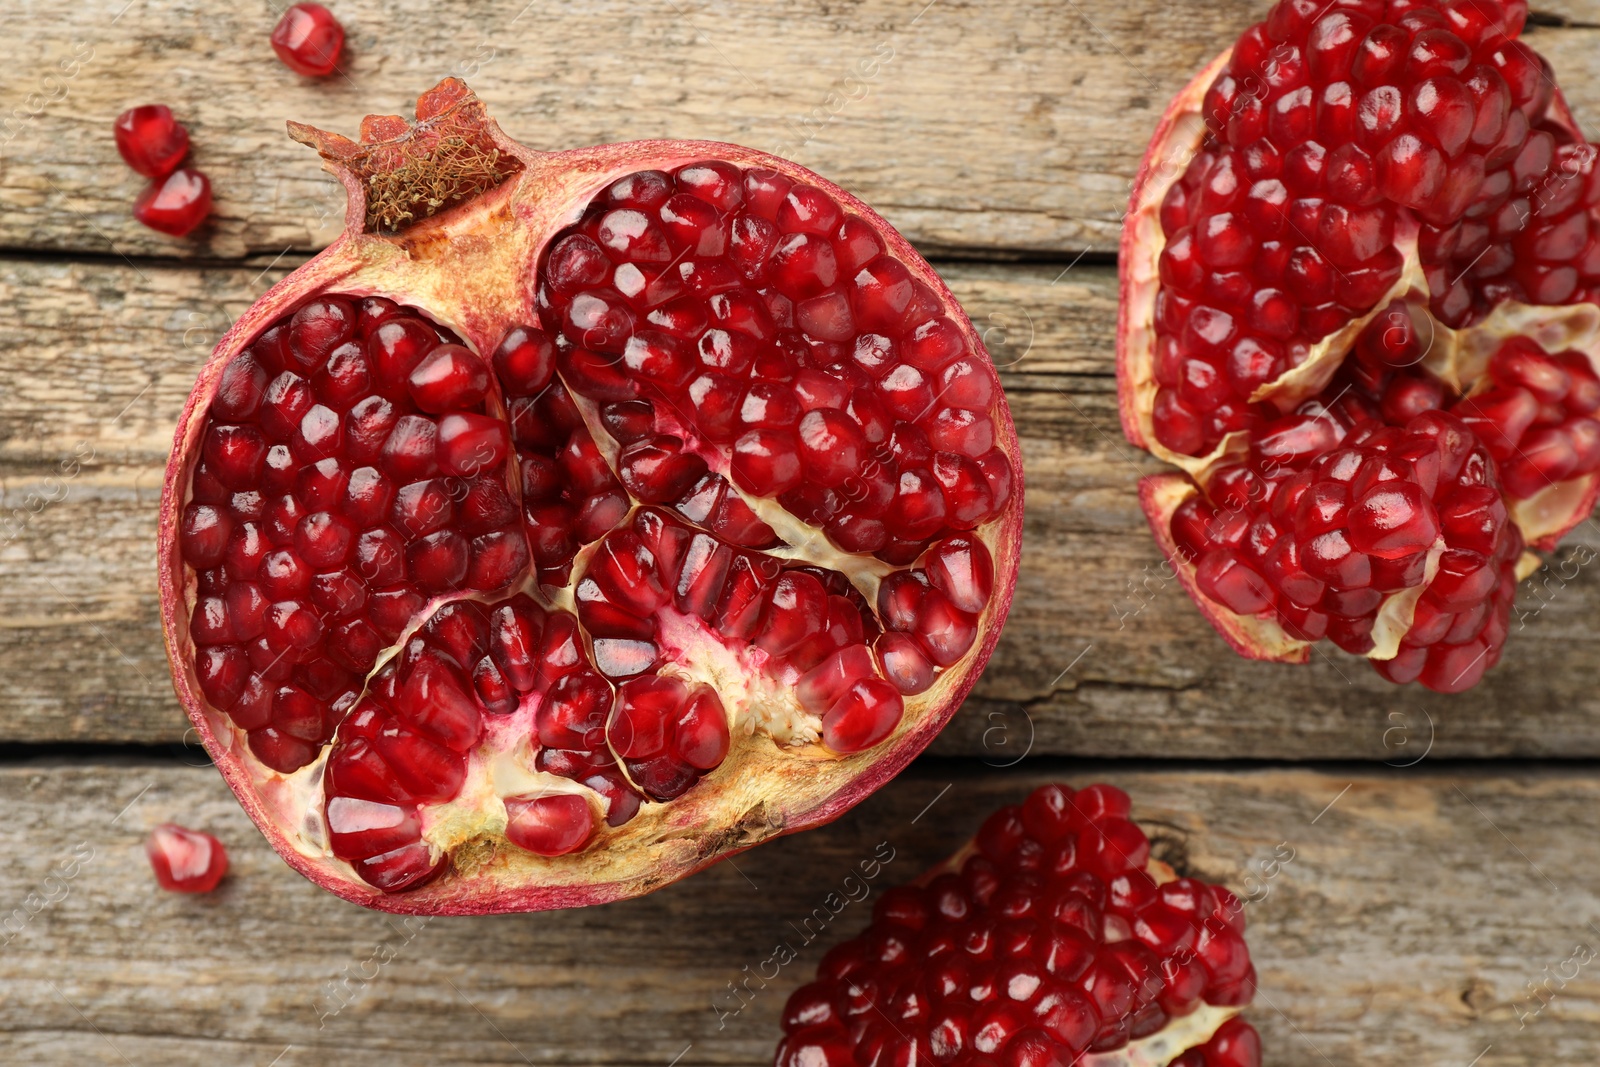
[150, 140]
[185, 861]
[608, 540]
[1363, 215]
[1052, 937]
[308, 40]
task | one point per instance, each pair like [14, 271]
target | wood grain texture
[1402, 931]
[981, 127]
[1103, 655]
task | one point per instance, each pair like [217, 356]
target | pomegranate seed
[185, 861]
[866, 713]
[176, 203]
[551, 825]
[150, 140]
[308, 40]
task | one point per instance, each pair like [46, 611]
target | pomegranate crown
[402, 172]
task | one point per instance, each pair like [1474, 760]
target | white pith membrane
[1457, 357]
[775, 778]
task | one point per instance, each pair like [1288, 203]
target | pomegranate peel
[1311, 255]
[1051, 937]
[481, 604]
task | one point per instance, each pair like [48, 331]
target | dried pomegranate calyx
[648, 502]
[401, 172]
[1357, 209]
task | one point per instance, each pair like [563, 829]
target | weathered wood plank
[99, 362]
[1403, 930]
[1010, 127]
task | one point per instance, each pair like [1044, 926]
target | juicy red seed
[449, 378]
[862, 716]
[905, 664]
[701, 735]
[150, 140]
[174, 204]
[525, 361]
[185, 861]
[308, 40]
[551, 825]
[766, 462]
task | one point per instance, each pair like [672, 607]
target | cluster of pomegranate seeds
[1048, 941]
[1333, 128]
[737, 323]
[153, 143]
[185, 861]
[1334, 512]
[1536, 415]
[308, 40]
[348, 473]
[661, 586]
[406, 741]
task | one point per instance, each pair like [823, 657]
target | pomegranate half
[1360, 312]
[579, 518]
[1052, 938]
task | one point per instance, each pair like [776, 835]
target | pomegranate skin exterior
[472, 267]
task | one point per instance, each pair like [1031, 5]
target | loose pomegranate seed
[175, 204]
[185, 861]
[308, 40]
[549, 825]
[150, 140]
[1025, 953]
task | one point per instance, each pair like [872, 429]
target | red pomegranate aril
[185, 861]
[175, 203]
[701, 735]
[552, 825]
[865, 714]
[447, 379]
[150, 140]
[308, 40]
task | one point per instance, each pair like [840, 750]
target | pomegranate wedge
[579, 518]
[1051, 939]
[1361, 314]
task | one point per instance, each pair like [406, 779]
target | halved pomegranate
[1361, 313]
[579, 518]
[1051, 938]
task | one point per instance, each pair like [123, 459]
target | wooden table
[1444, 847]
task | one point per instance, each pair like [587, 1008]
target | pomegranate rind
[1174, 144]
[1253, 638]
[480, 257]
